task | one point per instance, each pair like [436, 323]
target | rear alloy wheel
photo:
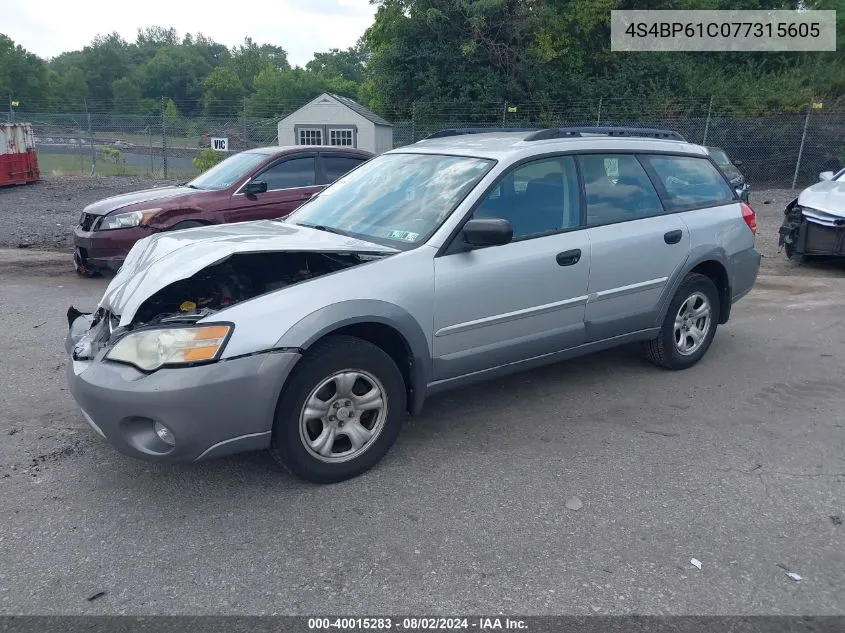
[689, 326]
[340, 412]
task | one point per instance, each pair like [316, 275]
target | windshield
[394, 199]
[226, 173]
[720, 157]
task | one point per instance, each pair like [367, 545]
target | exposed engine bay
[241, 277]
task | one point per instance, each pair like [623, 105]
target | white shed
[334, 120]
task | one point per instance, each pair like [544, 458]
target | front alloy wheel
[343, 415]
[340, 411]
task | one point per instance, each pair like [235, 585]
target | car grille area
[87, 221]
[824, 240]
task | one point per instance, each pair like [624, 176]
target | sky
[302, 27]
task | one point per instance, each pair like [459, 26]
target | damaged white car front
[814, 223]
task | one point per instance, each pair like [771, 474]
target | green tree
[249, 59]
[127, 95]
[23, 75]
[223, 93]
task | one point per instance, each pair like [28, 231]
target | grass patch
[81, 164]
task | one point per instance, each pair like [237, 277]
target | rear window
[691, 182]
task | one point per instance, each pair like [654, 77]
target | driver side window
[296, 172]
[537, 198]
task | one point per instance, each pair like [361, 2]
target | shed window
[342, 137]
[310, 136]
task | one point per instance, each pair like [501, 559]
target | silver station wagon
[459, 258]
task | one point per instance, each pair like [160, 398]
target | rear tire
[340, 411]
[689, 326]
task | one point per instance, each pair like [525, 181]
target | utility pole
[598, 114]
[11, 111]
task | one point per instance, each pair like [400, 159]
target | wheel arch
[712, 263]
[383, 324]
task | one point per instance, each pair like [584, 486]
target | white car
[814, 223]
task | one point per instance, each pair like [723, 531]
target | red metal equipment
[18, 159]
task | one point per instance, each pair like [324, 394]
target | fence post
[801, 147]
[413, 122]
[163, 137]
[91, 140]
[150, 139]
[504, 113]
[246, 142]
[707, 122]
[598, 114]
[11, 111]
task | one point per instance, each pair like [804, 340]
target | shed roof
[357, 107]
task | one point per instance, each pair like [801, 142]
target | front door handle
[568, 258]
[673, 237]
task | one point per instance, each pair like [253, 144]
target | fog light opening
[164, 434]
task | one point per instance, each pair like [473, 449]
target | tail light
[750, 217]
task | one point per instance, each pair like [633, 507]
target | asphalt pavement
[738, 462]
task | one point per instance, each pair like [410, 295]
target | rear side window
[691, 181]
[336, 166]
[617, 189]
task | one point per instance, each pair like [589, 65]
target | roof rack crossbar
[479, 130]
[565, 132]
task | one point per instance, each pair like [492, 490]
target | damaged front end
[811, 232]
[239, 278]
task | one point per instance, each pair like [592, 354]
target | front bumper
[813, 233]
[212, 410]
[105, 249]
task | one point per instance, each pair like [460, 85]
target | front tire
[340, 412]
[689, 326]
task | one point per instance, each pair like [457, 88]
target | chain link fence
[776, 149]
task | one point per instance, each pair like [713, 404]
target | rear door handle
[673, 237]
[568, 258]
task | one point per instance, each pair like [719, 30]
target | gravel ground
[43, 216]
[738, 462]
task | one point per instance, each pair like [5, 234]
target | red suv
[257, 184]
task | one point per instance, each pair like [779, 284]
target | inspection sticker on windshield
[405, 236]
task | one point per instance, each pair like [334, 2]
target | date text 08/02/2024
[418, 624]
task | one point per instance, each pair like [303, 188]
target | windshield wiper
[327, 229]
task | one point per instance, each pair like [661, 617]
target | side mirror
[826, 175]
[255, 186]
[487, 232]
[738, 163]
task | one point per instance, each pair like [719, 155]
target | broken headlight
[126, 220]
[151, 349]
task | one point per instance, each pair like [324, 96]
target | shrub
[207, 159]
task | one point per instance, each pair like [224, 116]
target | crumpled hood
[827, 196]
[107, 205]
[164, 258]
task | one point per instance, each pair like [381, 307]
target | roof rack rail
[478, 130]
[569, 132]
